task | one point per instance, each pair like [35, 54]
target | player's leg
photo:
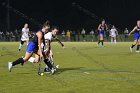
[48, 63]
[19, 61]
[27, 41]
[133, 45]
[115, 41]
[99, 41]
[21, 44]
[111, 39]
[138, 46]
[29, 51]
[136, 37]
[51, 56]
[102, 39]
[34, 59]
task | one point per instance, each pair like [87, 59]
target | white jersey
[49, 37]
[25, 34]
[113, 32]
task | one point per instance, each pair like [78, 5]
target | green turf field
[84, 68]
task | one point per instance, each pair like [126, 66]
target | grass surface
[84, 68]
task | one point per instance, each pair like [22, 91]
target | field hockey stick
[39, 66]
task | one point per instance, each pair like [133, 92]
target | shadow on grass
[61, 70]
[104, 70]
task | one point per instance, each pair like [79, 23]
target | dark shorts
[101, 32]
[32, 47]
[136, 36]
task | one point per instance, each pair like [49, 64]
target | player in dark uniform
[101, 30]
[136, 31]
[34, 46]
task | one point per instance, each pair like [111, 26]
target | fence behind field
[75, 38]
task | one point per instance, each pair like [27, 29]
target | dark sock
[48, 63]
[102, 42]
[132, 46]
[138, 46]
[99, 42]
[20, 60]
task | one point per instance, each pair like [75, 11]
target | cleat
[22, 64]
[46, 70]
[57, 66]
[19, 49]
[52, 71]
[131, 50]
[10, 66]
[137, 51]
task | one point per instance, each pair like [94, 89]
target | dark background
[121, 13]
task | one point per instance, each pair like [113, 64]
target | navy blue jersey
[137, 30]
[103, 27]
[35, 38]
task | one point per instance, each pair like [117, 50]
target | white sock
[114, 41]
[111, 41]
[32, 60]
[20, 46]
[46, 66]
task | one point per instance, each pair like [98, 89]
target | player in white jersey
[25, 36]
[113, 34]
[46, 49]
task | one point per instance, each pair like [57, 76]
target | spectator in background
[7, 36]
[92, 35]
[68, 34]
[63, 35]
[73, 38]
[1, 35]
[126, 34]
[16, 35]
[83, 33]
[78, 35]
[12, 36]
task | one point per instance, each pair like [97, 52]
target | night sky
[121, 13]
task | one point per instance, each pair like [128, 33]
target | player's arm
[133, 30]
[29, 33]
[116, 31]
[59, 42]
[99, 27]
[39, 35]
[106, 27]
[110, 32]
[47, 47]
[22, 32]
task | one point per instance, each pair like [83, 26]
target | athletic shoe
[52, 71]
[19, 49]
[137, 51]
[46, 70]
[10, 66]
[103, 46]
[131, 50]
[56, 67]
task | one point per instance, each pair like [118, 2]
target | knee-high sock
[132, 46]
[48, 63]
[138, 46]
[18, 61]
